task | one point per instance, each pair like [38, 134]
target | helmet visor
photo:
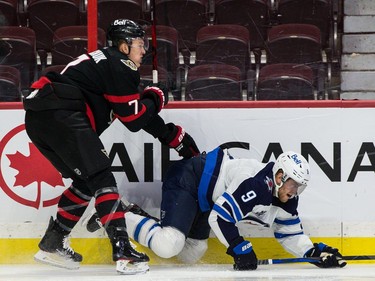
[293, 188]
[140, 42]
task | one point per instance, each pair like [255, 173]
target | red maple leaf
[34, 168]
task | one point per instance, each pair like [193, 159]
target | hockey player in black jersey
[215, 191]
[66, 113]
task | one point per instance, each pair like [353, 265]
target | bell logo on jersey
[130, 64]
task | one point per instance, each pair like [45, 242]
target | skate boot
[55, 250]
[93, 223]
[128, 260]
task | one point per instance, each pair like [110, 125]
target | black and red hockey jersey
[109, 82]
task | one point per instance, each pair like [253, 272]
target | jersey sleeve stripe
[223, 214]
[288, 222]
[131, 118]
[121, 99]
[233, 205]
[282, 235]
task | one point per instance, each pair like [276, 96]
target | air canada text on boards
[329, 164]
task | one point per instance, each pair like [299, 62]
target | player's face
[137, 51]
[288, 190]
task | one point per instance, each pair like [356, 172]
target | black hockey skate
[128, 260]
[55, 250]
[94, 224]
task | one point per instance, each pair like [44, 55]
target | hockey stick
[155, 78]
[312, 259]
[289, 260]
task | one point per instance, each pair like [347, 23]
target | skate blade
[55, 259]
[128, 268]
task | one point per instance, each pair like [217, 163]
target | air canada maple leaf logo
[29, 168]
[34, 168]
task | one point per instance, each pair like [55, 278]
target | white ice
[290, 272]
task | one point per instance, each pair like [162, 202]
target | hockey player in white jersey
[215, 191]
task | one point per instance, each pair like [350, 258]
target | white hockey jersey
[242, 189]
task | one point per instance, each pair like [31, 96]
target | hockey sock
[109, 207]
[71, 207]
[141, 229]
[165, 242]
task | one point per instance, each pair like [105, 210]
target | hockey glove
[243, 255]
[329, 257]
[157, 95]
[181, 141]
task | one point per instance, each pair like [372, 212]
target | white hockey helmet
[294, 166]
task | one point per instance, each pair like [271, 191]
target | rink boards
[337, 207]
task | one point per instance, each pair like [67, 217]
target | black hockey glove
[157, 95]
[329, 257]
[181, 141]
[243, 255]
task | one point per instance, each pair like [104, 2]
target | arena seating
[167, 54]
[10, 83]
[214, 82]
[109, 10]
[21, 51]
[252, 14]
[286, 82]
[70, 42]
[224, 44]
[246, 34]
[8, 12]
[315, 12]
[146, 76]
[55, 68]
[46, 16]
[186, 16]
[300, 44]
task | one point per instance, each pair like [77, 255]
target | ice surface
[290, 272]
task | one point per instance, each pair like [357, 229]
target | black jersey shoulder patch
[130, 64]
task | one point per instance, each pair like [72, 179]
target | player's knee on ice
[193, 250]
[166, 242]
